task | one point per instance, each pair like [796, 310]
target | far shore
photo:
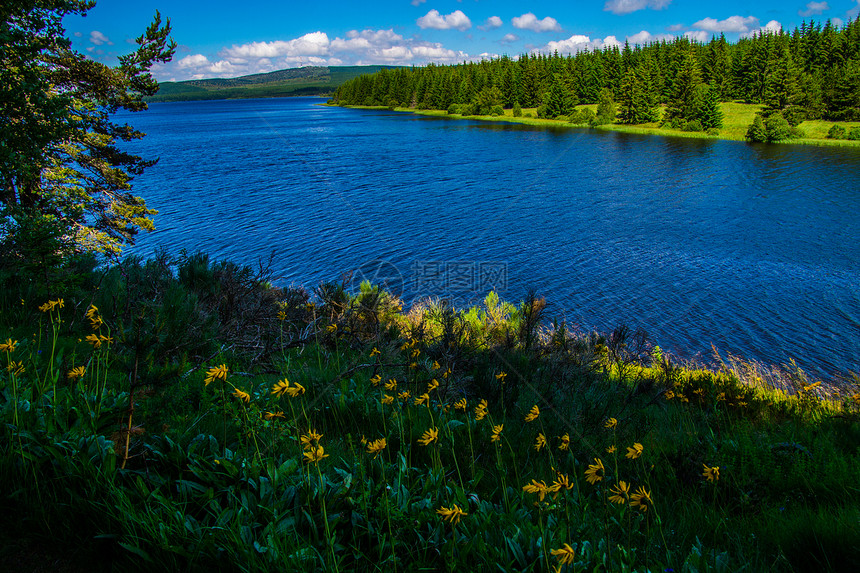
[738, 117]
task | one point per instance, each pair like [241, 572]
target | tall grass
[350, 434]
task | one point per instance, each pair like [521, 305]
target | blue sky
[227, 39]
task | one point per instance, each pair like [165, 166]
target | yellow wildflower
[315, 454]
[481, 410]
[404, 395]
[376, 380]
[375, 352]
[610, 423]
[611, 449]
[436, 365]
[669, 394]
[386, 399]
[461, 404]
[376, 446]
[76, 373]
[451, 515]
[391, 385]
[432, 385]
[242, 395]
[621, 493]
[9, 345]
[416, 353]
[497, 433]
[711, 473]
[634, 452]
[97, 343]
[641, 499]
[216, 373]
[296, 390]
[429, 436]
[501, 376]
[595, 471]
[423, 399]
[561, 482]
[565, 554]
[51, 305]
[105, 339]
[565, 443]
[331, 328]
[16, 368]
[273, 415]
[533, 414]
[280, 388]
[310, 439]
[537, 487]
[540, 442]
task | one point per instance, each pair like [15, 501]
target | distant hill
[308, 81]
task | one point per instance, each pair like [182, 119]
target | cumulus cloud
[698, 35]
[530, 22]
[675, 27]
[645, 37]
[772, 27]
[627, 6]
[492, 22]
[814, 8]
[436, 21]
[509, 39]
[578, 43]
[315, 49]
[732, 24]
[98, 38]
[418, 2]
[838, 22]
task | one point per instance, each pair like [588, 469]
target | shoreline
[641, 129]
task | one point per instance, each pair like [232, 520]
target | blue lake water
[753, 249]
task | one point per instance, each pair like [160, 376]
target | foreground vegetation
[185, 415]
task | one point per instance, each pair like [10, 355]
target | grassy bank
[181, 414]
[737, 119]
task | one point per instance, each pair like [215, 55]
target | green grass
[737, 118]
[206, 479]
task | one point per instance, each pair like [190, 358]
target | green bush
[836, 132]
[778, 128]
[694, 125]
[453, 109]
[518, 111]
[854, 134]
[497, 110]
[713, 131]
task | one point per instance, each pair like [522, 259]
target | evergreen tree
[59, 158]
[634, 102]
[682, 104]
[559, 101]
[606, 110]
[708, 110]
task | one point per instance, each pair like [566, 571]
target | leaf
[136, 550]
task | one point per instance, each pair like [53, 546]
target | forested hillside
[810, 73]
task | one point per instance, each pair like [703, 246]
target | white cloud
[627, 6]
[838, 22]
[418, 2]
[364, 47]
[731, 24]
[195, 61]
[509, 38]
[530, 22]
[814, 8]
[436, 21]
[98, 38]
[771, 27]
[698, 35]
[312, 44]
[578, 43]
[78, 34]
[491, 22]
[675, 27]
[645, 37]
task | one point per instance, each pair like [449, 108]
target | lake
[751, 248]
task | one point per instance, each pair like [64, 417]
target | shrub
[453, 109]
[497, 110]
[542, 112]
[529, 114]
[518, 111]
[854, 134]
[777, 128]
[756, 131]
[836, 132]
[694, 125]
[713, 131]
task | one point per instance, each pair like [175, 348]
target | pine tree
[558, 101]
